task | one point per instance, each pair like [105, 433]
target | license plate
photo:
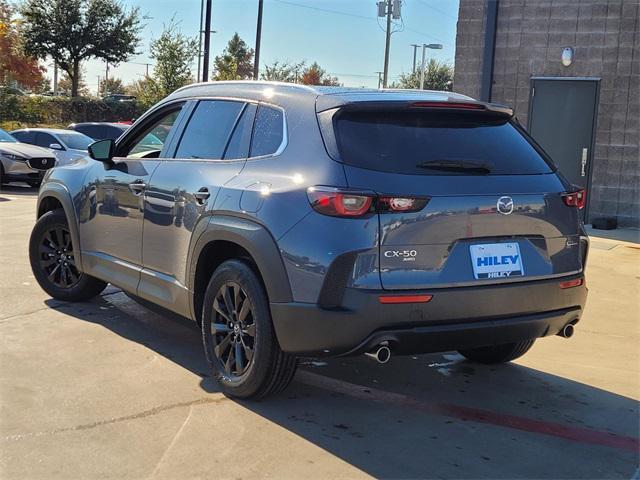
[496, 260]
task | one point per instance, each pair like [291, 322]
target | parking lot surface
[108, 389]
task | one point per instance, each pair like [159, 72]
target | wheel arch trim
[257, 241]
[62, 195]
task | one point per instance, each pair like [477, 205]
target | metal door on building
[562, 120]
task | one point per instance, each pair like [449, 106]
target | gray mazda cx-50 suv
[297, 221]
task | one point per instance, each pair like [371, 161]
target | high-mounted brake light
[453, 105]
[345, 203]
[575, 199]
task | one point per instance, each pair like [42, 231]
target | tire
[263, 368]
[498, 353]
[52, 259]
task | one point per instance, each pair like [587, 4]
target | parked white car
[67, 145]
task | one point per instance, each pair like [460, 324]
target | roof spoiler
[458, 105]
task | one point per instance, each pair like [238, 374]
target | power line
[326, 10]
[441, 12]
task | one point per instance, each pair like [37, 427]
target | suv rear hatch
[474, 199]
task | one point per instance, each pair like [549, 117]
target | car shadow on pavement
[422, 416]
[17, 188]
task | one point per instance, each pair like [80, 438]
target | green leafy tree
[315, 75]
[283, 72]
[146, 92]
[174, 54]
[437, 76]
[111, 86]
[236, 61]
[72, 31]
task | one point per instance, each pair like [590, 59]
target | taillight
[344, 203]
[575, 199]
[339, 203]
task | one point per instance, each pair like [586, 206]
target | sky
[343, 36]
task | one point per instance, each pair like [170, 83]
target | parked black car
[100, 130]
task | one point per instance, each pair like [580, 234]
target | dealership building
[571, 71]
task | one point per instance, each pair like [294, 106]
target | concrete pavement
[109, 389]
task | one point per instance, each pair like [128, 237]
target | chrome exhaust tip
[567, 331]
[381, 355]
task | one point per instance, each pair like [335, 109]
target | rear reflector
[575, 199]
[572, 283]
[404, 298]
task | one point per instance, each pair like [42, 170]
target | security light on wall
[567, 56]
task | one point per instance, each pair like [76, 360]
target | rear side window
[25, 137]
[209, 129]
[268, 131]
[440, 143]
[241, 137]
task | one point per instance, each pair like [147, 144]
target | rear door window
[25, 137]
[240, 141]
[209, 129]
[441, 143]
[268, 131]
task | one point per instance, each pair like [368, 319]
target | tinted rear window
[268, 131]
[406, 141]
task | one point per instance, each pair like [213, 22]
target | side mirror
[56, 146]
[102, 150]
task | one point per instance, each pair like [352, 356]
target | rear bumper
[455, 318]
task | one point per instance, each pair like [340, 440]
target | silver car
[23, 162]
[67, 145]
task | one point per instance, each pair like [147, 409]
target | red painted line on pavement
[575, 434]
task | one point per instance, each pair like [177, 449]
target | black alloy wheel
[57, 259]
[233, 330]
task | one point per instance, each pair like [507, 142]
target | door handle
[137, 187]
[585, 155]
[202, 195]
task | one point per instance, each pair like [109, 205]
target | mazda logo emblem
[505, 205]
[44, 161]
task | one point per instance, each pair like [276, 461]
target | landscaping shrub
[62, 110]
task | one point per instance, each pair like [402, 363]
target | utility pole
[387, 44]
[106, 77]
[199, 41]
[415, 49]
[207, 42]
[256, 61]
[98, 85]
[379, 79]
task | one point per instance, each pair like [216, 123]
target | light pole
[415, 49]
[256, 62]
[207, 41]
[433, 46]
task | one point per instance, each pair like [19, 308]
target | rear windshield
[435, 143]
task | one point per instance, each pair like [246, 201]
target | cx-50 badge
[406, 255]
[505, 205]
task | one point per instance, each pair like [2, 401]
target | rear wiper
[456, 166]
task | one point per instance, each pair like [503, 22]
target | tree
[71, 31]
[437, 76]
[236, 61]
[146, 92]
[315, 75]
[282, 72]
[65, 85]
[15, 65]
[174, 54]
[111, 86]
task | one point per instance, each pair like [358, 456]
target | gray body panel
[152, 244]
